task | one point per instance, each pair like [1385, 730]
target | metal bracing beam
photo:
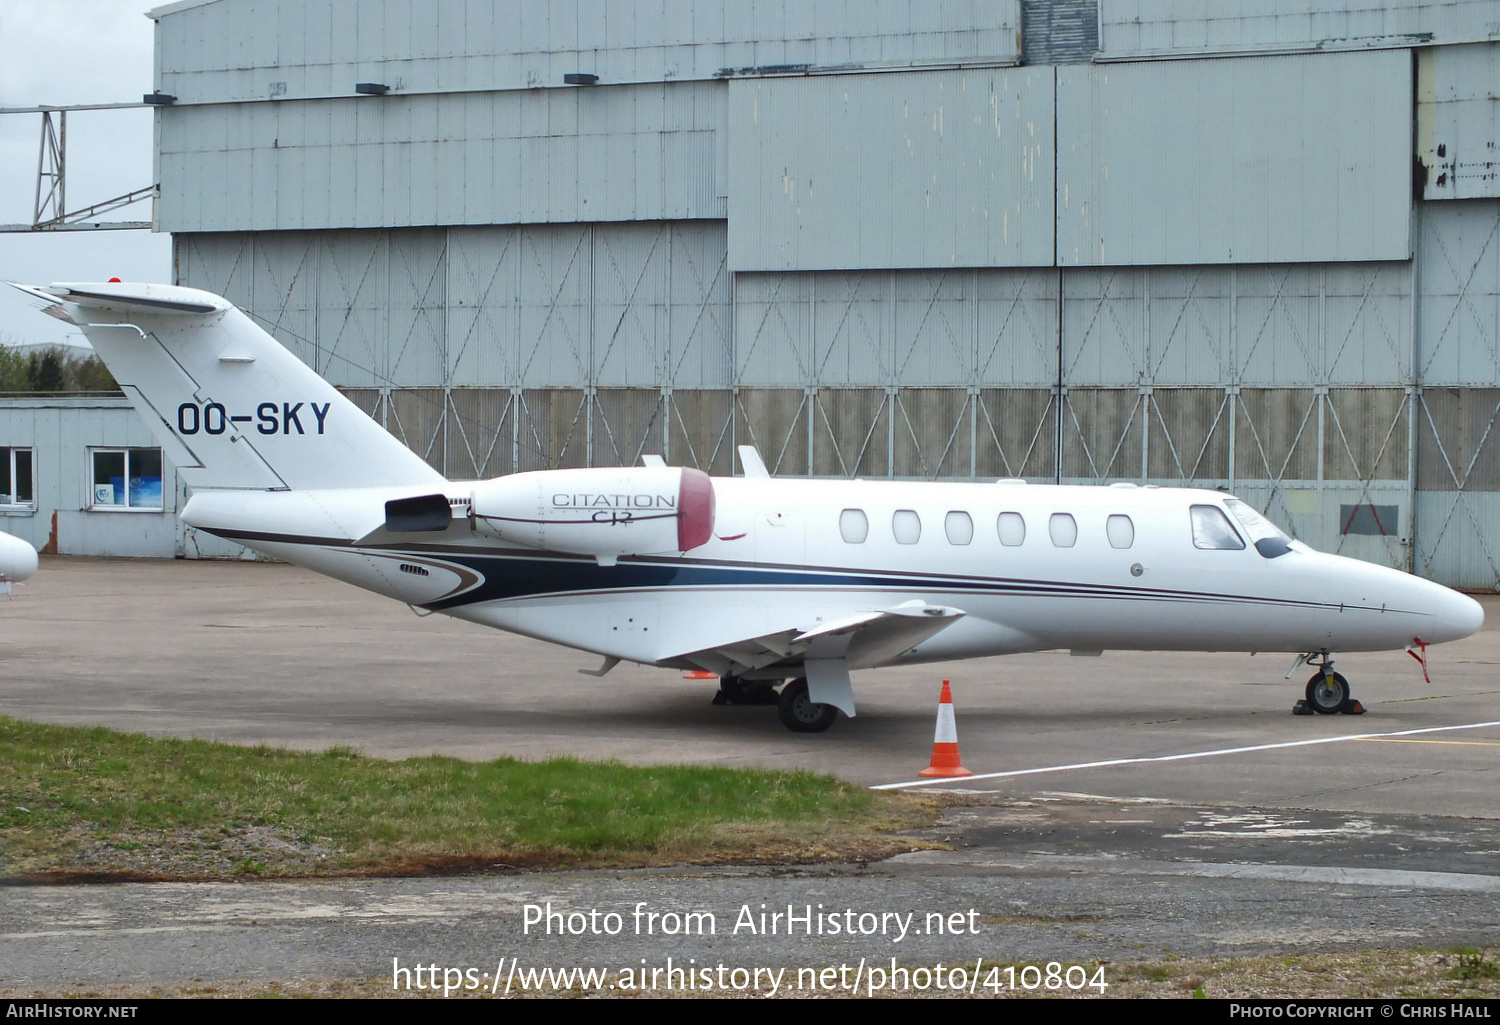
[49, 211]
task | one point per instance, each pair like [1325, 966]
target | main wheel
[801, 714]
[1327, 694]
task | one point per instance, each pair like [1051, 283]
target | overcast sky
[75, 51]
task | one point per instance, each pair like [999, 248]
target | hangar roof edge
[157, 13]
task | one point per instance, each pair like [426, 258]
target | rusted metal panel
[1254, 160]
[627, 422]
[480, 433]
[418, 417]
[553, 428]
[1458, 121]
[700, 430]
[930, 433]
[851, 432]
[1101, 434]
[1188, 432]
[775, 421]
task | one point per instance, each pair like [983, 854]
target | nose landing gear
[1327, 692]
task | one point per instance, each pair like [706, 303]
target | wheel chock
[1353, 707]
[1302, 708]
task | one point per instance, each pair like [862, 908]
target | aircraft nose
[1455, 616]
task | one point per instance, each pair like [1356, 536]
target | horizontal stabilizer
[138, 298]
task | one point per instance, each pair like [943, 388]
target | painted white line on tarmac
[1319, 874]
[963, 781]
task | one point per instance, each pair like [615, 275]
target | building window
[126, 478]
[854, 526]
[17, 486]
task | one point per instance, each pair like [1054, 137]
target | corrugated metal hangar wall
[1076, 241]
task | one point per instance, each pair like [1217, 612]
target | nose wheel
[1327, 692]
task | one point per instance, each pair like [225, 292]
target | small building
[82, 475]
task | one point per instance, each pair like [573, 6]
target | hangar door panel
[919, 170]
[1286, 159]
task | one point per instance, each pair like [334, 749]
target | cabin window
[907, 526]
[126, 479]
[854, 525]
[1120, 530]
[1212, 530]
[1012, 529]
[1064, 530]
[17, 486]
[960, 528]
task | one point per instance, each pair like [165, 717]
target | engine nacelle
[605, 512]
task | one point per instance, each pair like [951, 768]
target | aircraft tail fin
[231, 406]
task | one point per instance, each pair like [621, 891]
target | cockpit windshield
[1265, 535]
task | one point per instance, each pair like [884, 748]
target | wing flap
[862, 639]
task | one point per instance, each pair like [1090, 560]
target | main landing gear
[801, 714]
[1327, 692]
[734, 691]
[798, 713]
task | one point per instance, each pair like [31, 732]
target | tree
[53, 371]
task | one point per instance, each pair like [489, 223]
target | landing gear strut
[1327, 692]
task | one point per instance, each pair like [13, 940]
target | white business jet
[762, 581]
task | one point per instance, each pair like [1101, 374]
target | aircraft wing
[827, 647]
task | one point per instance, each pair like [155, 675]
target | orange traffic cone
[945, 761]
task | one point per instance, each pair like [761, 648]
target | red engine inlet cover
[695, 520]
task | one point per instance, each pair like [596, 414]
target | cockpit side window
[1265, 535]
[1213, 531]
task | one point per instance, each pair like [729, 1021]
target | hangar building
[1080, 241]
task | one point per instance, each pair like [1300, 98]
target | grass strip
[78, 802]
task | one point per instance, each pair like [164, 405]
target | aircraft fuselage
[1033, 567]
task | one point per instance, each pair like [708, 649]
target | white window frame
[9, 500]
[125, 507]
